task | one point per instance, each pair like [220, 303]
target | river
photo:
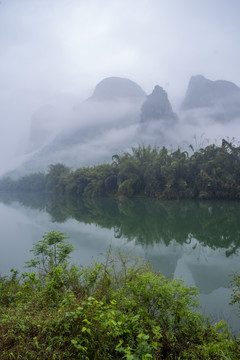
[197, 241]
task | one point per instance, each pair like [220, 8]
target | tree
[55, 179]
[50, 252]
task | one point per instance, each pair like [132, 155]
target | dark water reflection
[196, 240]
[213, 223]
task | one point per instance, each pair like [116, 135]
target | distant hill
[221, 98]
[116, 88]
[157, 107]
[118, 116]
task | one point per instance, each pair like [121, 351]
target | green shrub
[116, 309]
[50, 252]
[235, 286]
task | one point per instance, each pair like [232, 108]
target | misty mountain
[119, 115]
[115, 88]
[108, 122]
[157, 119]
[157, 107]
[220, 99]
[102, 125]
[42, 128]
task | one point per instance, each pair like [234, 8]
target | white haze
[55, 52]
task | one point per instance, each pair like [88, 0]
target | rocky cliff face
[221, 97]
[157, 106]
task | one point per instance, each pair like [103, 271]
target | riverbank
[115, 309]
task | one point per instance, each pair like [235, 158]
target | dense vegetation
[117, 309]
[212, 172]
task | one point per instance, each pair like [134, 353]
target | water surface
[193, 240]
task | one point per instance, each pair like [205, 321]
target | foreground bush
[117, 309]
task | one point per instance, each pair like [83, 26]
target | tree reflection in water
[148, 222]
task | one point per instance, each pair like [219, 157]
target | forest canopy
[212, 172]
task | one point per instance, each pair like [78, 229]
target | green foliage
[50, 253]
[55, 178]
[116, 309]
[98, 181]
[9, 286]
[235, 286]
[212, 172]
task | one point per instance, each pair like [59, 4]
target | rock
[157, 106]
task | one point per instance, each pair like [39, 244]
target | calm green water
[196, 241]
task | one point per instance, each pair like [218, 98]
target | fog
[54, 53]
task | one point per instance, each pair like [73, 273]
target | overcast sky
[52, 49]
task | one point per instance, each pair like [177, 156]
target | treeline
[28, 183]
[212, 172]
